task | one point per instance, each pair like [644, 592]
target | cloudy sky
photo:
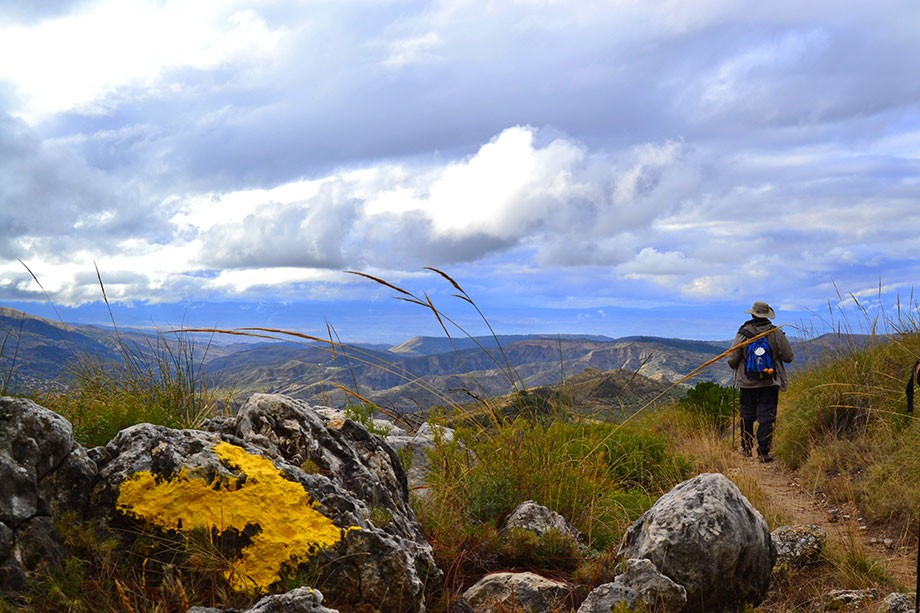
[608, 167]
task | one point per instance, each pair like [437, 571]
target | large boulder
[283, 490]
[44, 474]
[706, 536]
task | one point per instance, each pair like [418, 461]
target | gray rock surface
[837, 600]
[418, 445]
[899, 603]
[798, 546]
[640, 587]
[44, 473]
[517, 592]
[299, 600]
[352, 477]
[706, 536]
[538, 519]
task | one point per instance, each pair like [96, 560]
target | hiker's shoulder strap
[748, 333]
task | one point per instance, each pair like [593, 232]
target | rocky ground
[790, 500]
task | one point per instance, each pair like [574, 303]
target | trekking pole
[733, 416]
[917, 593]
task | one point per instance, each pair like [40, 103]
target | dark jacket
[779, 347]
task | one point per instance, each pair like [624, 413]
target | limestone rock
[351, 480]
[899, 603]
[640, 587]
[300, 600]
[798, 546]
[538, 519]
[360, 478]
[837, 600]
[418, 446]
[706, 536]
[516, 591]
[43, 474]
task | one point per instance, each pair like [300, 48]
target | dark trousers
[758, 404]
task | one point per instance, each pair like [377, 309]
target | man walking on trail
[760, 374]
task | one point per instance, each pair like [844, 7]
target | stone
[364, 548]
[44, 474]
[538, 519]
[641, 587]
[836, 600]
[517, 592]
[416, 447]
[899, 603]
[798, 546]
[299, 600]
[705, 536]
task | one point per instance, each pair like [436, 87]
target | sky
[611, 167]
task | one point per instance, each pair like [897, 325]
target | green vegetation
[842, 426]
[713, 403]
[161, 384]
[845, 427]
[364, 415]
[599, 476]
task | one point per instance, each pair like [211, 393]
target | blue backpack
[758, 357]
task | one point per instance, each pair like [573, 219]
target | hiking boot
[746, 453]
[765, 458]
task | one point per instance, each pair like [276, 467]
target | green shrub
[712, 402]
[364, 415]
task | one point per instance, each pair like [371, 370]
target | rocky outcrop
[897, 602]
[640, 587]
[291, 497]
[286, 496]
[517, 592]
[706, 536]
[43, 474]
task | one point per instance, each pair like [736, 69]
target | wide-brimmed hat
[762, 309]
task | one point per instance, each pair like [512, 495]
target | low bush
[714, 404]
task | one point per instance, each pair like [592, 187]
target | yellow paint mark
[291, 527]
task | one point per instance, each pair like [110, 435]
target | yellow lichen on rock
[290, 527]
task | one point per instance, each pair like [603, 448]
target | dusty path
[893, 552]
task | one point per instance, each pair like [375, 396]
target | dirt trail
[893, 552]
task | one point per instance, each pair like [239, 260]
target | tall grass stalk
[6, 385]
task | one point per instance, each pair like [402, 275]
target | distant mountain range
[415, 375]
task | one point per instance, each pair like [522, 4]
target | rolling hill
[415, 375]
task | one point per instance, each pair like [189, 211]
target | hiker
[760, 374]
